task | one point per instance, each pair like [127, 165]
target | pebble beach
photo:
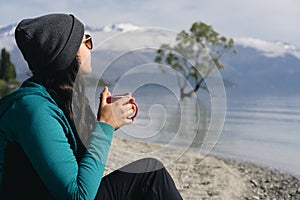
[212, 177]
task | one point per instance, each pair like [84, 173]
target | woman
[51, 144]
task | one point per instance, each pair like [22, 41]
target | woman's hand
[116, 114]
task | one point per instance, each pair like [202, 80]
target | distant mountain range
[259, 67]
[262, 67]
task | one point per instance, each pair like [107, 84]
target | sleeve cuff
[106, 127]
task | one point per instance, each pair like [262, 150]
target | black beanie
[49, 43]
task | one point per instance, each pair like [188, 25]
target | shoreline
[263, 182]
[212, 177]
[231, 159]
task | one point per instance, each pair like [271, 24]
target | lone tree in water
[195, 50]
[194, 55]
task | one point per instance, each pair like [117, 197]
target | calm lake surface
[263, 129]
[260, 129]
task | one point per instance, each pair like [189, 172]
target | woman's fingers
[127, 98]
[129, 110]
[103, 102]
[103, 96]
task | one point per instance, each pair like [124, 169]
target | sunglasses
[88, 41]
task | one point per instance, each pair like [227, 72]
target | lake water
[263, 129]
[260, 129]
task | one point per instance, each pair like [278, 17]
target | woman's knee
[143, 165]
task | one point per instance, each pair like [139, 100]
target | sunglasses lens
[88, 42]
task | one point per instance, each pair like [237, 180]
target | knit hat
[49, 43]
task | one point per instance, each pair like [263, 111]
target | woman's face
[84, 54]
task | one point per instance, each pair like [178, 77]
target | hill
[259, 67]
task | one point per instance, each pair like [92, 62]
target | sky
[271, 20]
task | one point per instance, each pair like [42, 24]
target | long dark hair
[68, 89]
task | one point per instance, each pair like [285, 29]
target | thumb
[104, 94]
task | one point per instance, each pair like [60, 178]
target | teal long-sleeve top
[30, 117]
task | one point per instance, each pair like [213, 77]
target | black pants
[145, 179]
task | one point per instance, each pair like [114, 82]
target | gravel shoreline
[213, 177]
[266, 183]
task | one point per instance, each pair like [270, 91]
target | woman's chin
[86, 71]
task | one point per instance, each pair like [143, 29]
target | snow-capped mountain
[259, 66]
[267, 48]
[120, 27]
[7, 30]
[271, 49]
[7, 36]
[263, 68]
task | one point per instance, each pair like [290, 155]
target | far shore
[212, 177]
